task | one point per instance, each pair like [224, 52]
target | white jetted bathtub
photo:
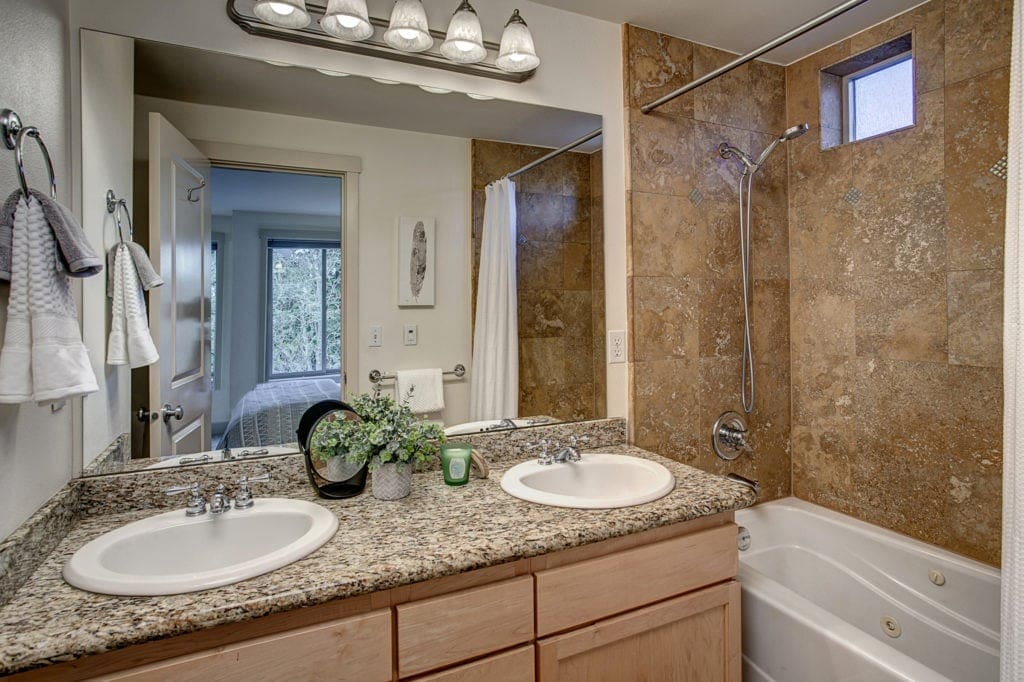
[828, 598]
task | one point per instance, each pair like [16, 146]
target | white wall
[581, 69]
[404, 174]
[35, 444]
[107, 116]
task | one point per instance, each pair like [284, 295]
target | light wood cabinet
[512, 666]
[356, 649]
[693, 638]
[658, 605]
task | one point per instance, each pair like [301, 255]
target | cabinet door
[356, 649]
[692, 638]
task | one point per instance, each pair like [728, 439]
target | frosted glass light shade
[347, 19]
[408, 29]
[283, 13]
[517, 52]
[464, 42]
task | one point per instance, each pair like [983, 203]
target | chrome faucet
[563, 454]
[196, 502]
[220, 502]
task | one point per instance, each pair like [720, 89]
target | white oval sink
[171, 553]
[597, 481]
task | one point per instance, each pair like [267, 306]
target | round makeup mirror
[330, 473]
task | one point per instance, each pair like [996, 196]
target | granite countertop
[437, 531]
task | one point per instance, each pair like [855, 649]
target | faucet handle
[574, 441]
[243, 497]
[545, 455]
[196, 501]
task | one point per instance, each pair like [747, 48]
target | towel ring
[14, 134]
[114, 207]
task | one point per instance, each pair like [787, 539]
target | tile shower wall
[683, 264]
[896, 296]
[560, 261]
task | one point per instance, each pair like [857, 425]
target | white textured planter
[391, 481]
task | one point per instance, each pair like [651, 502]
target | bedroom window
[304, 308]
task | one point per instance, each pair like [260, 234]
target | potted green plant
[388, 437]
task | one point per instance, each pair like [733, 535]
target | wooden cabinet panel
[511, 666]
[587, 591]
[356, 648]
[451, 628]
[693, 638]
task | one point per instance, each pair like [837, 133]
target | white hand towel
[43, 357]
[130, 342]
[421, 389]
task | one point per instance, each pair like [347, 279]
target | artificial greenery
[387, 433]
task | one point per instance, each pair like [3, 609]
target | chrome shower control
[729, 436]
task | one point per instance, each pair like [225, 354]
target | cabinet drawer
[590, 590]
[356, 649]
[511, 666]
[440, 631]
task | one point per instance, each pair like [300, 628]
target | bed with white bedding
[269, 414]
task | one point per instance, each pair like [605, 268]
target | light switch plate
[376, 336]
[616, 347]
[411, 334]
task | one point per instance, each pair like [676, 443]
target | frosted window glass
[883, 100]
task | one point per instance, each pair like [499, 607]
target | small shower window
[869, 94]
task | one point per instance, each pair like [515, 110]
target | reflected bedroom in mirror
[443, 247]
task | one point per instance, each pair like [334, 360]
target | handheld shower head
[727, 151]
[790, 134]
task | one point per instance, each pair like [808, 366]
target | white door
[179, 311]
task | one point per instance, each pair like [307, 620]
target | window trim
[849, 98]
[268, 282]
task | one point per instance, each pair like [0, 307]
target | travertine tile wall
[683, 263]
[561, 291]
[897, 298]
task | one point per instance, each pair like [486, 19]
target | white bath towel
[130, 342]
[421, 389]
[43, 357]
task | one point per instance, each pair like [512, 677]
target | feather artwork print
[418, 260]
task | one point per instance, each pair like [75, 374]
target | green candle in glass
[455, 459]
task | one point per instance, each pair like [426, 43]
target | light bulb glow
[408, 30]
[348, 21]
[283, 13]
[517, 53]
[281, 8]
[408, 33]
[464, 42]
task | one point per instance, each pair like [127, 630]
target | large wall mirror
[317, 233]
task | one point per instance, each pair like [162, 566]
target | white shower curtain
[494, 387]
[1012, 647]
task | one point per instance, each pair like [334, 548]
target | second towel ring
[114, 207]
[14, 134]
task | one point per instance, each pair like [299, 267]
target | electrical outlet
[616, 346]
[376, 336]
[411, 335]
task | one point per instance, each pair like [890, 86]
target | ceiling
[203, 77]
[740, 25]
[235, 190]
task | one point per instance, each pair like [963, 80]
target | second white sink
[597, 481]
[171, 553]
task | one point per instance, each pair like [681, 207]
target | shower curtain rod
[751, 56]
[557, 152]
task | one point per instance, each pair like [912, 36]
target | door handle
[145, 416]
[167, 412]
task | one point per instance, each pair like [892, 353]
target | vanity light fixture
[408, 30]
[333, 74]
[464, 42]
[283, 13]
[345, 26]
[517, 51]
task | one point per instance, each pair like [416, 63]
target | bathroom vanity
[450, 584]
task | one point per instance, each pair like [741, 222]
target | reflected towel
[130, 342]
[43, 357]
[421, 389]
